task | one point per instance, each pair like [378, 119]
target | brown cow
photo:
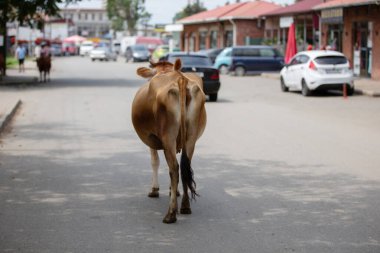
[44, 65]
[168, 113]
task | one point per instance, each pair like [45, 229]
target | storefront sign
[332, 16]
[286, 21]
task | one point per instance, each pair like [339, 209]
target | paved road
[276, 172]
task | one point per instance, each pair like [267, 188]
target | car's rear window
[188, 60]
[331, 60]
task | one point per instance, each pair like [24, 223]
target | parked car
[317, 70]
[56, 49]
[137, 53]
[86, 47]
[160, 52]
[211, 53]
[255, 59]
[201, 65]
[103, 54]
[69, 48]
[223, 61]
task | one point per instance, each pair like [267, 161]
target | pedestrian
[309, 47]
[45, 51]
[20, 55]
[37, 51]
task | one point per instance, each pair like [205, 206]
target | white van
[86, 47]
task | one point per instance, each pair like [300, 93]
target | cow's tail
[187, 174]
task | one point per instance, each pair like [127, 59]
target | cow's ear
[145, 72]
[177, 65]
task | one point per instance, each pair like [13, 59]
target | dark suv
[255, 59]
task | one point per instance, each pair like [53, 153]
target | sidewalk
[10, 102]
[364, 86]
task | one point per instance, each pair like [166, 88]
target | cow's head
[159, 67]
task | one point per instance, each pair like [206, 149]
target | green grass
[11, 62]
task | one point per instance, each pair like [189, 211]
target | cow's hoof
[185, 211]
[170, 218]
[154, 193]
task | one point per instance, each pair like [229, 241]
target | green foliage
[11, 62]
[131, 11]
[27, 11]
[189, 10]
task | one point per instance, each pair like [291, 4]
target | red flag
[291, 47]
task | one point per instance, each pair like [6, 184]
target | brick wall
[248, 28]
[244, 28]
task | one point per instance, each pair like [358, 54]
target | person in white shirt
[37, 51]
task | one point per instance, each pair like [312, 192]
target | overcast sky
[163, 11]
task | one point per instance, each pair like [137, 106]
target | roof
[343, 3]
[299, 7]
[245, 10]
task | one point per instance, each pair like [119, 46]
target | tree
[131, 11]
[26, 11]
[189, 10]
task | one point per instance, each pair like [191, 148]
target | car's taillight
[312, 66]
[215, 75]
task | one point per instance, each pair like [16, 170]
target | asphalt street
[276, 172]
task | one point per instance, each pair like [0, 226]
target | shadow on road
[95, 200]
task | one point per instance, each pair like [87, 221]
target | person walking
[20, 55]
[37, 51]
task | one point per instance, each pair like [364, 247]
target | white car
[317, 70]
[86, 47]
[103, 53]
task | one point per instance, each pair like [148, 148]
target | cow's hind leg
[155, 162]
[171, 159]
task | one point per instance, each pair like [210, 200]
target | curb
[358, 91]
[9, 117]
[367, 92]
[32, 80]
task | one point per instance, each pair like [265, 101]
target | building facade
[355, 27]
[229, 25]
[87, 22]
[305, 19]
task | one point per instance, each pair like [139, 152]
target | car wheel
[223, 69]
[350, 90]
[283, 86]
[213, 97]
[92, 59]
[305, 90]
[240, 71]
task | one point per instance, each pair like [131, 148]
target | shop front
[354, 27]
[332, 23]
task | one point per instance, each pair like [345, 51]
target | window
[202, 40]
[79, 16]
[304, 59]
[213, 39]
[244, 52]
[100, 16]
[189, 60]
[93, 16]
[85, 16]
[228, 39]
[267, 52]
[326, 60]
